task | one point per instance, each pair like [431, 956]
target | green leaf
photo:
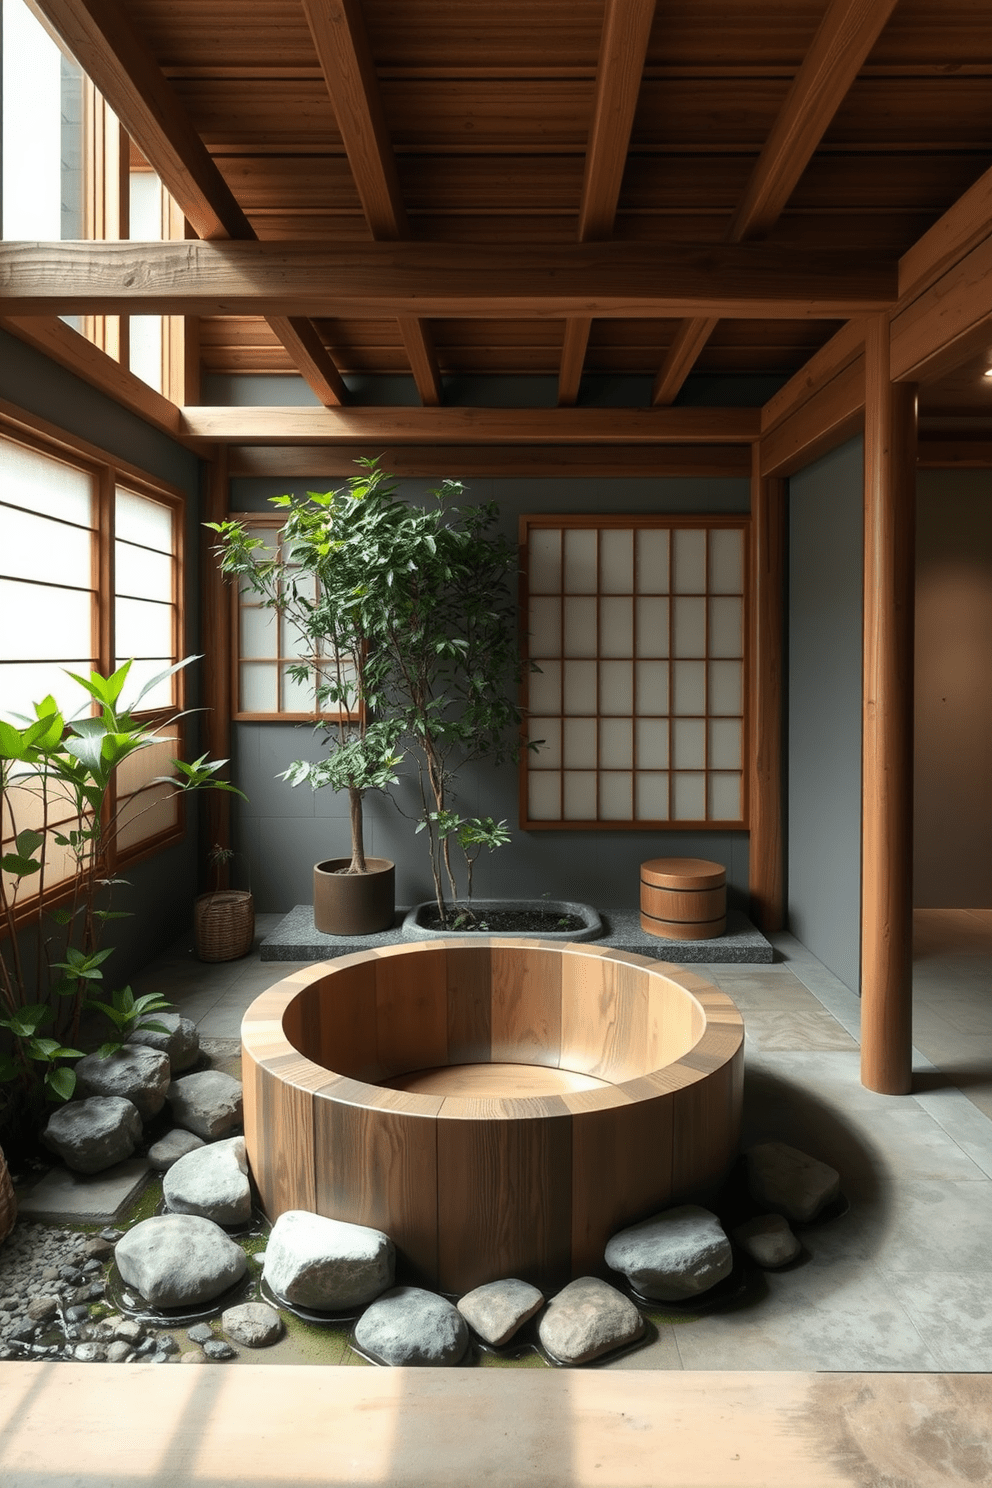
[27, 1020]
[28, 843]
[112, 914]
[61, 916]
[19, 867]
[161, 676]
[9, 1068]
[61, 1082]
[105, 1050]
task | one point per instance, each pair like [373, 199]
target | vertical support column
[887, 727]
[216, 629]
[767, 584]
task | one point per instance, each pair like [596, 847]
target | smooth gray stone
[586, 1319]
[495, 1311]
[207, 1103]
[768, 1240]
[216, 1348]
[327, 1264]
[170, 1148]
[678, 1253]
[790, 1181]
[119, 1352]
[181, 1045]
[408, 1326]
[212, 1182]
[176, 1259]
[139, 1075]
[200, 1333]
[94, 1134]
[253, 1324]
[89, 1353]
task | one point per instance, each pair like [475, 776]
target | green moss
[144, 1206]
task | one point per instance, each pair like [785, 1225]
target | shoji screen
[634, 658]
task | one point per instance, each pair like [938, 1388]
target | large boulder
[588, 1318]
[408, 1326]
[326, 1265]
[673, 1255]
[790, 1181]
[170, 1148]
[496, 1310]
[93, 1134]
[139, 1075]
[180, 1043]
[212, 1182]
[179, 1260]
[208, 1103]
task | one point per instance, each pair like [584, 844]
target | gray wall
[285, 831]
[163, 886]
[824, 709]
[953, 778]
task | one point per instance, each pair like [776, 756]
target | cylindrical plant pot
[224, 925]
[8, 1203]
[353, 903]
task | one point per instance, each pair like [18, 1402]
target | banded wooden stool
[683, 898]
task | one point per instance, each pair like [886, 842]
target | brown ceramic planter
[353, 903]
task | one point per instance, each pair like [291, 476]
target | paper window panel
[40, 483]
[689, 627]
[148, 523]
[545, 627]
[616, 743]
[652, 739]
[725, 744]
[546, 734]
[579, 743]
[142, 574]
[259, 686]
[580, 561]
[259, 632]
[544, 575]
[651, 795]
[724, 796]
[688, 795]
[726, 688]
[651, 687]
[56, 615]
[726, 557]
[151, 813]
[653, 557]
[689, 560]
[297, 697]
[726, 627]
[544, 687]
[688, 687]
[616, 687]
[144, 628]
[579, 803]
[616, 561]
[653, 622]
[688, 743]
[579, 689]
[616, 626]
[616, 795]
[580, 627]
[34, 547]
[544, 795]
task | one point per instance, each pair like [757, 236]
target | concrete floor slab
[87, 1199]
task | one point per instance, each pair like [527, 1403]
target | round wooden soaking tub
[498, 1107]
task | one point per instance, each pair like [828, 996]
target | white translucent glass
[616, 687]
[689, 560]
[580, 627]
[544, 566]
[724, 797]
[259, 632]
[299, 585]
[31, 547]
[579, 795]
[616, 627]
[547, 733]
[616, 743]
[579, 743]
[580, 687]
[652, 743]
[688, 687]
[651, 795]
[145, 359]
[259, 687]
[163, 695]
[616, 560]
[142, 574]
[147, 815]
[145, 206]
[725, 744]
[652, 627]
[39, 483]
[580, 560]
[31, 129]
[330, 675]
[292, 642]
[726, 627]
[37, 623]
[616, 796]
[652, 687]
[726, 561]
[268, 538]
[148, 523]
[298, 697]
[689, 797]
[726, 687]
[544, 688]
[688, 743]
[545, 627]
[652, 560]
[688, 627]
[142, 767]
[544, 795]
[143, 628]
[23, 686]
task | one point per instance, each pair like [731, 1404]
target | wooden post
[215, 818]
[887, 728]
[766, 857]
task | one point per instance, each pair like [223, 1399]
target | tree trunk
[357, 864]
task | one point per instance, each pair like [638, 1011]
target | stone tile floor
[903, 1280]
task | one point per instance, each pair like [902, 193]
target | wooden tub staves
[498, 1107]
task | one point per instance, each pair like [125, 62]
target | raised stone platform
[295, 939]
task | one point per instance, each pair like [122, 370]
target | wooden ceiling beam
[322, 461]
[839, 49]
[376, 280]
[339, 34]
[101, 37]
[622, 52]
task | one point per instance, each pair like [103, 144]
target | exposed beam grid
[839, 49]
[116, 58]
[339, 34]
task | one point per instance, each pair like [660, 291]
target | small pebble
[216, 1348]
[111, 1234]
[200, 1333]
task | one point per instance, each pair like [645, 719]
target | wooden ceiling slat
[472, 462]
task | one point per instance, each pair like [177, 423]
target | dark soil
[518, 921]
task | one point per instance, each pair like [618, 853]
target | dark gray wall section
[285, 830]
[953, 778]
[824, 712]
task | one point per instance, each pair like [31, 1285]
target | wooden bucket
[683, 898]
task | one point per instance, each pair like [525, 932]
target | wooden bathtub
[498, 1107]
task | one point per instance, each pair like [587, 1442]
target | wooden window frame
[658, 521]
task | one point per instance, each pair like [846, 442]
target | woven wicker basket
[8, 1203]
[224, 925]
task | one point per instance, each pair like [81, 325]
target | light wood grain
[463, 461]
[766, 851]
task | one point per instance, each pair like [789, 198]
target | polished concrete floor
[902, 1280]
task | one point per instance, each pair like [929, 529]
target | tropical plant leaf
[61, 1082]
